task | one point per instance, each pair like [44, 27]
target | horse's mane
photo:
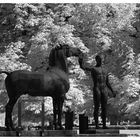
[56, 57]
[52, 58]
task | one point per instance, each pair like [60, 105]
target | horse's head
[57, 57]
[59, 54]
[69, 51]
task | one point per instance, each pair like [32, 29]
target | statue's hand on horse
[115, 93]
[81, 59]
[112, 93]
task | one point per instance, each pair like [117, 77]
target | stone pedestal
[69, 120]
[83, 123]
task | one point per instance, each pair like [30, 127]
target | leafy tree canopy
[29, 31]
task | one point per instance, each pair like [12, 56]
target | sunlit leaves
[10, 60]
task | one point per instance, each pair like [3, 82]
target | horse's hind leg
[9, 109]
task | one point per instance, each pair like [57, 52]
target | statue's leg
[8, 116]
[54, 113]
[96, 107]
[60, 106]
[104, 109]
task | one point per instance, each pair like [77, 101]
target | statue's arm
[82, 65]
[109, 85]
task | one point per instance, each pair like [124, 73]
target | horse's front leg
[60, 107]
[54, 113]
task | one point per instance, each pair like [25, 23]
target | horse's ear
[58, 47]
[52, 57]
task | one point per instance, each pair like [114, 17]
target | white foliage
[10, 60]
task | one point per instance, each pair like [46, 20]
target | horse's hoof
[8, 128]
[13, 128]
[19, 128]
[60, 128]
[105, 127]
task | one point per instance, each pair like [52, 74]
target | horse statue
[54, 83]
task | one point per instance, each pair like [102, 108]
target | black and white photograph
[69, 69]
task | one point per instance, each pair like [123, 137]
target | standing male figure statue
[100, 79]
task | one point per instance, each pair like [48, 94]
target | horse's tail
[6, 72]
